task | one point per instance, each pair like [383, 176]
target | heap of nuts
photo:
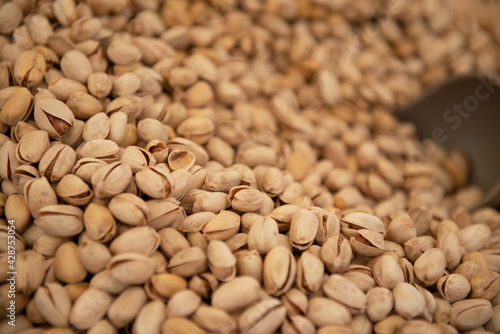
[225, 166]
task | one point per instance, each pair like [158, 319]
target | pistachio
[67, 266]
[280, 269]
[468, 314]
[213, 319]
[221, 260]
[485, 285]
[453, 287]
[250, 263]
[188, 262]
[263, 317]
[30, 272]
[124, 309]
[99, 223]
[303, 229]
[346, 293]
[221, 227]
[336, 254]
[131, 268]
[165, 212]
[57, 162]
[89, 308]
[129, 209]
[8, 160]
[474, 237]
[60, 220]
[183, 303]
[263, 235]
[142, 239]
[408, 301]
[98, 148]
[74, 190]
[310, 270]
[387, 272]
[54, 304]
[172, 241]
[156, 181]
[326, 312]
[180, 325]
[150, 318]
[29, 68]
[38, 194]
[53, 116]
[379, 303]
[93, 255]
[430, 266]
[17, 108]
[112, 179]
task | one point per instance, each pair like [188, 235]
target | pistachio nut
[57, 162]
[280, 269]
[141, 239]
[368, 243]
[74, 190]
[89, 308]
[408, 301]
[224, 225]
[129, 209]
[86, 167]
[263, 235]
[181, 325]
[310, 270]
[387, 272]
[8, 160]
[221, 260]
[165, 212]
[131, 268]
[303, 229]
[188, 262]
[356, 221]
[111, 179]
[100, 224]
[172, 241]
[346, 293]
[60, 220]
[263, 317]
[250, 263]
[67, 265]
[379, 303]
[336, 254]
[214, 320]
[103, 149]
[236, 295]
[325, 312]
[453, 287]
[430, 266]
[17, 107]
[125, 308]
[29, 68]
[137, 158]
[38, 194]
[150, 318]
[53, 303]
[53, 116]
[468, 314]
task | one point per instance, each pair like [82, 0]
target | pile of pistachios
[238, 166]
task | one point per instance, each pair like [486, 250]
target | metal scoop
[464, 113]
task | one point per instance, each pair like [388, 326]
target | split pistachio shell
[60, 220]
[54, 304]
[252, 321]
[129, 209]
[221, 260]
[112, 179]
[74, 190]
[336, 254]
[346, 293]
[303, 229]
[280, 269]
[470, 313]
[53, 116]
[188, 262]
[57, 162]
[17, 108]
[29, 68]
[263, 235]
